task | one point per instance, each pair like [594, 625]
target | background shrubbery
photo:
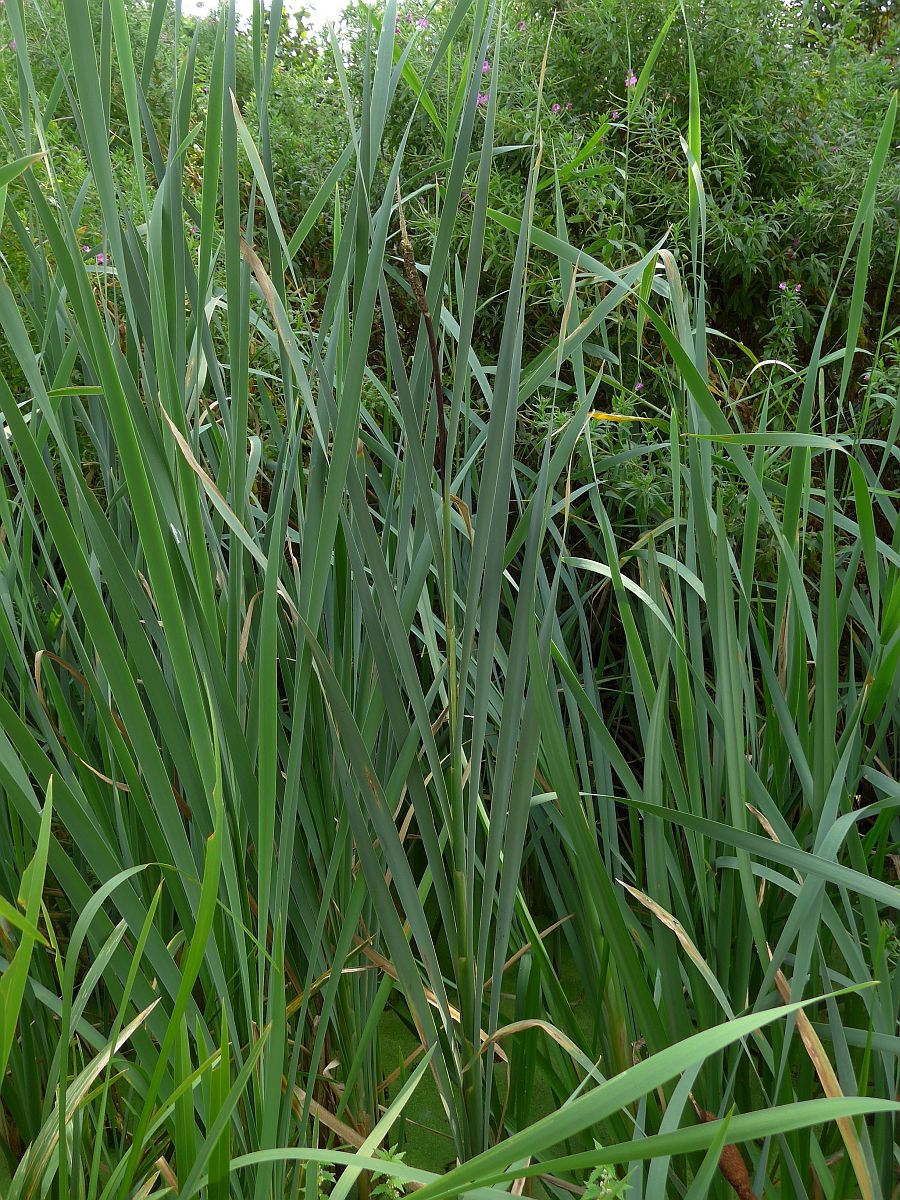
[791, 105]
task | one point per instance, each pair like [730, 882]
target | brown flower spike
[731, 1161]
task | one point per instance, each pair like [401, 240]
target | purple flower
[485, 67]
[792, 253]
[12, 44]
[782, 287]
[483, 98]
[568, 105]
[102, 260]
[409, 18]
[85, 249]
[206, 91]
[194, 230]
[866, 377]
[797, 288]
[396, 27]
[631, 79]
[521, 27]
[835, 149]
[795, 242]
[422, 23]
[614, 115]
[638, 387]
[555, 107]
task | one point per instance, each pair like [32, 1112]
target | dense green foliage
[521, 816]
[790, 117]
[792, 97]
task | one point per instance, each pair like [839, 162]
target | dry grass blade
[389, 969]
[831, 1087]
[45, 1145]
[347, 1134]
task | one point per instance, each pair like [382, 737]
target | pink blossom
[568, 105]
[12, 44]
[483, 98]
[485, 67]
[102, 260]
[614, 115]
[555, 107]
[797, 288]
[521, 27]
[631, 79]
[638, 387]
[782, 287]
[422, 23]
[85, 249]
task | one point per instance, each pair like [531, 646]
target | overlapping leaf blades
[328, 741]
